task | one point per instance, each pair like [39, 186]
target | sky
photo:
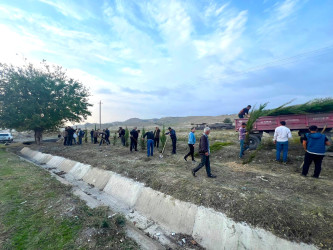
[157, 58]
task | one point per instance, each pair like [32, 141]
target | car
[6, 137]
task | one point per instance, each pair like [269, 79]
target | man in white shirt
[281, 136]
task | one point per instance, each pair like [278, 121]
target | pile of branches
[323, 105]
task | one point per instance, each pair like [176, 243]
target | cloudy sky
[161, 58]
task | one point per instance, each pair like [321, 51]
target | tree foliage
[40, 98]
[143, 142]
[163, 137]
[126, 137]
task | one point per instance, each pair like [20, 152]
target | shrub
[227, 120]
[143, 142]
[163, 137]
[126, 137]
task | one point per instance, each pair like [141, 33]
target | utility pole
[100, 114]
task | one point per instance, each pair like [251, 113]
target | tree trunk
[38, 136]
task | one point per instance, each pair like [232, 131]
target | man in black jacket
[173, 137]
[134, 139]
[204, 152]
[121, 132]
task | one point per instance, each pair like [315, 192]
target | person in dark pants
[96, 134]
[173, 137]
[121, 133]
[150, 143]
[191, 142]
[204, 152]
[157, 137]
[314, 145]
[134, 139]
[65, 134]
[70, 131]
[92, 136]
[80, 135]
[107, 136]
[244, 112]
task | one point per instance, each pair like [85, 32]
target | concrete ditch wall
[212, 229]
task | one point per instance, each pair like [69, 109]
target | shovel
[161, 155]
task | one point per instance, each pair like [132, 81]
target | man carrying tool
[150, 143]
[134, 139]
[173, 137]
[314, 145]
[204, 152]
[244, 112]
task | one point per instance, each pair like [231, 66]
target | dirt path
[263, 193]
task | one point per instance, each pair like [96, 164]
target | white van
[6, 137]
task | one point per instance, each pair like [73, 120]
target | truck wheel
[254, 141]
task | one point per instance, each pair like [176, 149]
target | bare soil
[263, 193]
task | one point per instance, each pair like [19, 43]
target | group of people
[72, 136]
[314, 144]
[104, 136]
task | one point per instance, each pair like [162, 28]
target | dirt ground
[263, 193]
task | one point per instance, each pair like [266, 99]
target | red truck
[301, 123]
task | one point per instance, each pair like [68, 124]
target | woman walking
[191, 142]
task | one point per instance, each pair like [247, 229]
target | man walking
[281, 136]
[314, 145]
[242, 134]
[173, 137]
[244, 112]
[150, 143]
[204, 152]
[191, 142]
[134, 139]
[157, 137]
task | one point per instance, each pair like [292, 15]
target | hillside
[167, 121]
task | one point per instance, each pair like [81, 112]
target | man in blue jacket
[314, 145]
[191, 142]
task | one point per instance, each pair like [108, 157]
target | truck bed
[293, 122]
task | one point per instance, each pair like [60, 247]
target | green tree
[163, 137]
[143, 142]
[86, 135]
[115, 138]
[227, 120]
[126, 137]
[40, 98]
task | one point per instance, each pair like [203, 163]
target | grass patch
[38, 212]
[216, 146]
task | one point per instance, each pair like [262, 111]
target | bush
[227, 120]
[126, 137]
[163, 137]
[143, 142]
[218, 146]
